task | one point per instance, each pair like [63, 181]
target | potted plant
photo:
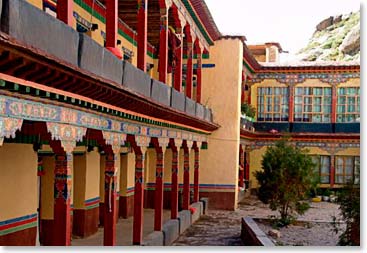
[326, 195]
[248, 110]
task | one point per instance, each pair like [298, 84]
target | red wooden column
[333, 104]
[62, 204]
[142, 29]
[64, 11]
[247, 165]
[332, 170]
[110, 208]
[291, 104]
[242, 169]
[196, 171]
[178, 68]
[160, 145]
[186, 187]
[63, 140]
[163, 45]
[139, 144]
[111, 23]
[189, 70]
[198, 76]
[175, 145]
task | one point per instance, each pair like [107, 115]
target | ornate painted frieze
[19, 109]
[331, 147]
[291, 79]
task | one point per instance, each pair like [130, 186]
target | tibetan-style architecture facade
[111, 108]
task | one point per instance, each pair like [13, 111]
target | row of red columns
[63, 181]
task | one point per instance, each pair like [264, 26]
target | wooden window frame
[344, 167]
[318, 165]
[283, 111]
[342, 117]
[307, 116]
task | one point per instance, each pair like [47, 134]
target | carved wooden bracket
[68, 135]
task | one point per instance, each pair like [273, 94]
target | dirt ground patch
[223, 228]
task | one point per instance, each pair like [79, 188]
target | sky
[289, 22]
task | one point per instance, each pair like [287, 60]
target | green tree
[349, 200]
[287, 176]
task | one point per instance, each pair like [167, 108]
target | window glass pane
[317, 108]
[327, 109]
[327, 91]
[326, 118]
[356, 169]
[341, 100]
[298, 91]
[316, 118]
[339, 179]
[325, 179]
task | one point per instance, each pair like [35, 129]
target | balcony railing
[45, 34]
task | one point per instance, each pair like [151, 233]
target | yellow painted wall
[18, 180]
[255, 164]
[79, 180]
[167, 173]
[47, 188]
[222, 93]
[257, 154]
[181, 166]
[349, 152]
[37, 3]
[192, 163]
[151, 158]
[92, 174]
[101, 178]
[127, 175]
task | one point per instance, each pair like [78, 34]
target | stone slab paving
[222, 228]
[124, 231]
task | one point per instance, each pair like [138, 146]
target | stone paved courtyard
[223, 228]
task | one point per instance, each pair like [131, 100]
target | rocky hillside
[335, 39]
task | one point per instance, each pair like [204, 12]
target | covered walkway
[124, 229]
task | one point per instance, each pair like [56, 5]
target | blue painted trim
[26, 217]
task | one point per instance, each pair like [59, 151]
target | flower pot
[325, 198]
[316, 199]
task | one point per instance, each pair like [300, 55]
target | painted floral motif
[63, 183]
[94, 121]
[155, 132]
[67, 134]
[116, 140]
[130, 129]
[163, 142]
[142, 141]
[8, 127]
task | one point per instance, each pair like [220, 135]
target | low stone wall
[252, 235]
